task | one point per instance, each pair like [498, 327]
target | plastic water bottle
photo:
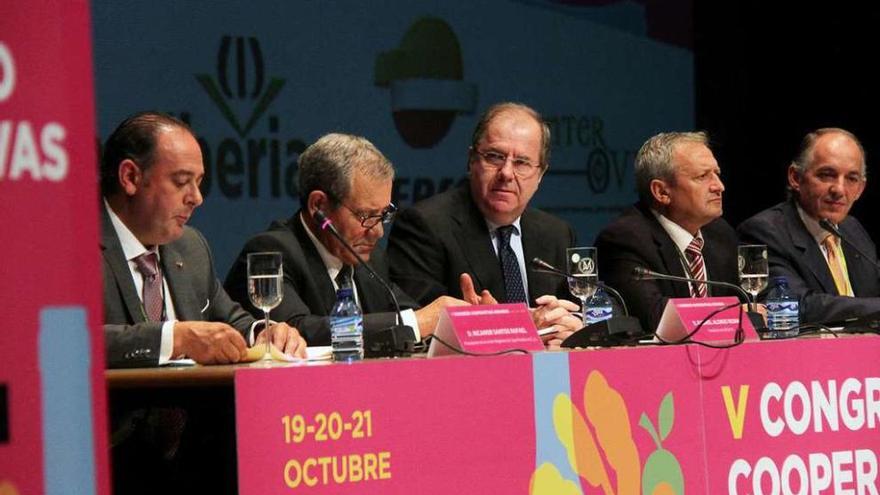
[782, 310]
[346, 328]
[598, 307]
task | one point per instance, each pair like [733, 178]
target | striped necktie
[694, 255]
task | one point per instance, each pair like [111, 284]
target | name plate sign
[486, 329]
[682, 316]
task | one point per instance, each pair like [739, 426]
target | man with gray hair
[675, 228]
[486, 228]
[835, 280]
[349, 181]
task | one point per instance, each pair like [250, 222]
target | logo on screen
[240, 90]
[425, 78]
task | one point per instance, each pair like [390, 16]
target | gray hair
[328, 165]
[654, 160]
[804, 157]
[497, 109]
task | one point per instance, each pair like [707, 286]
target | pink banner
[387, 427]
[794, 417]
[55, 425]
[774, 417]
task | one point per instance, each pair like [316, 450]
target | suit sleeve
[292, 310]
[816, 305]
[222, 308]
[132, 346]
[417, 259]
[618, 254]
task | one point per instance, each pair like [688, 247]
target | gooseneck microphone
[617, 330]
[642, 273]
[830, 227]
[325, 223]
[543, 266]
[397, 340]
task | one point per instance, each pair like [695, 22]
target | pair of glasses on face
[522, 167]
[369, 221]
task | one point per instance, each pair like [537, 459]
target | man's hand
[469, 293]
[286, 338]
[556, 313]
[430, 314]
[208, 342]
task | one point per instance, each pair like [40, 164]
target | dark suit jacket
[187, 265]
[793, 253]
[435, 241]
[308, 290]
[636, 238]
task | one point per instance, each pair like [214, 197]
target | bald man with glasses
[348, 180]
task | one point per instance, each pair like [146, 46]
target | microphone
[396, 340]
[642, 273]
[617, 330]
[830, 227]
[543, 266]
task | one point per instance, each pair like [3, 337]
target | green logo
[242, 64]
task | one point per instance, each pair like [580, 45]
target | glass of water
[753, 269]
[265, 276]
[583, 274]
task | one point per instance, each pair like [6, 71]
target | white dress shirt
[682, 239]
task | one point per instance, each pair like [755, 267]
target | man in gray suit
[162, 299]
[835, 280]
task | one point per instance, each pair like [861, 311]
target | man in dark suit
[676, 227]
[162, 299]
[485, 228]
[834, 280]
[349, 181]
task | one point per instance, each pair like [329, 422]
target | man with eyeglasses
[349, 180]
[486, 229]
[834, 279]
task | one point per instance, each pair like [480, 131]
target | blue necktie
[513, 283]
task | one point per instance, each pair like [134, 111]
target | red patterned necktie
[152, 294]
[694, 255]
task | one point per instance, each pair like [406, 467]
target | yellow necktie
[837, 264]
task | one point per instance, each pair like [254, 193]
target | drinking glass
[265, 276]
[753, 269]
[583, 274]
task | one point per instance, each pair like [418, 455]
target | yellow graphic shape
[583, 454]
[597, 442]
[7, 488]
[663, 488]
[546, 480]
[736, 413]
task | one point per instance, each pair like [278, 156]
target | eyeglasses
[369, 221]
[522, 167]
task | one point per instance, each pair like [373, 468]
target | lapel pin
[178, 264]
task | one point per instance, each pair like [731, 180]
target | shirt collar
[493, 227]
[812, 225]
[131, 246]
[681, 237]
[331, 263]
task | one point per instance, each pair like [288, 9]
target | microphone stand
[617, 330]
[642, 273]
[400, 338]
